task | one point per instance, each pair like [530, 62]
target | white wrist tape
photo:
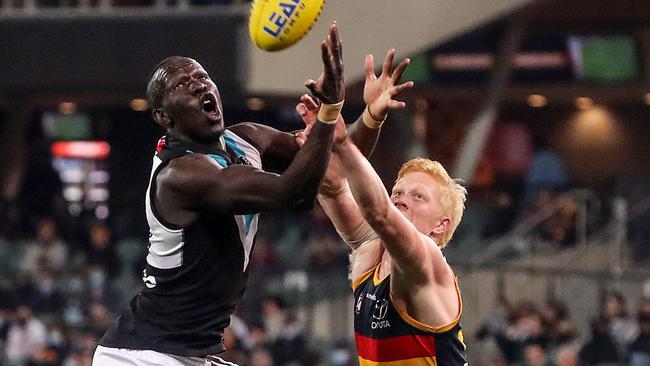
[361, 235]
[369, 120]
[329, 113]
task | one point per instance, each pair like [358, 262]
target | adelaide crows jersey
[195, 275]
[387, 336]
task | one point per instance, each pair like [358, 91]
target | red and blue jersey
[388, 336]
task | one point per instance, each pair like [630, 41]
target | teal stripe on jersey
[233, 145]
[219, 159]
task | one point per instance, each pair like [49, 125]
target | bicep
[242, 189]
[239, 189]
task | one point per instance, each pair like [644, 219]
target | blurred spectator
[601, 348]
[273, 316]
[639, 350]
[261, 357]
[567, 356]
[290, 348]
[509, 151]
[47, 252]
[46, 298]
[534, 355]
[328, 252]
[559, 330]
[100, 290]
[99, 319]
[25, 338]
[622, 327]
[264, 258]
[102, 251]
[256, 337]
[547, 172]
[341, 355]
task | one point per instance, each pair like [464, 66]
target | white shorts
[106, 356]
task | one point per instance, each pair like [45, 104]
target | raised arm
[379, 94]
[365, 131]
[411, 251]
[242, 189]
[278, 148]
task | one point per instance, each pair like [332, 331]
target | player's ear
[441, 227]
[161, 118]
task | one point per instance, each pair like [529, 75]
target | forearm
[303, 176]
[365, 185]
[346, 217]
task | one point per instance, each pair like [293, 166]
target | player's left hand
[378, 92]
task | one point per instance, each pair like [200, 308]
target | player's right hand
[330, 86]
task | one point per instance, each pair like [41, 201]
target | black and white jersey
[195, 276]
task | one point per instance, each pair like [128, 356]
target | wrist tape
[329, 113]
[361, 235]
[369, 120]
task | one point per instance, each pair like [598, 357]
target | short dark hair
[156, 85]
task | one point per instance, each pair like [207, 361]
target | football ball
[274, 25]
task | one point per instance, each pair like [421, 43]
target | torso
[195, 274]
[387, 335]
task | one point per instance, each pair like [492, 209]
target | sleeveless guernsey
[387, 336]
[195, 276]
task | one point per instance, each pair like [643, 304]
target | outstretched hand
[378, 92]
[330, 86]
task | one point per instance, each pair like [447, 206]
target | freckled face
[416, 195]
[193, 103]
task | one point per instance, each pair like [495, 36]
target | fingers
[388, 62]
[302, 110]
[311, 85]
[301, 138]
[310, 104]
[396, 104]
[326, 55]
[335, 44]
[400, 88]
[369, 67]
[397, 73]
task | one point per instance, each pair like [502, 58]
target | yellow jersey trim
[418, 361]
[363, 277]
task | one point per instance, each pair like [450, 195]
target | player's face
[417, 196]
[193, 103]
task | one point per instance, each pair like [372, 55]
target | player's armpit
[277, 148]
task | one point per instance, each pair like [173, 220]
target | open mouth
[209, 105]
